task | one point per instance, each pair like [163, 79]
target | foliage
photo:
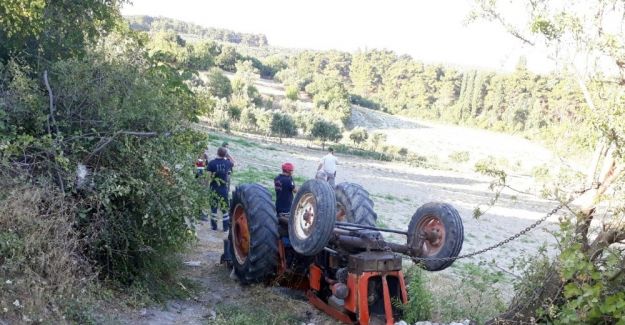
[419, 306]
[44, 30]
[291, 92]
[217, 84]
[110, 142]
[377, 139]
[471, 292]
[583, 285]
[325, 131]
[282, 125]
[227, 59]
[459, 156]
[364, 102]
[156, 24]
[594, 291]
[271, 66]
[359, 136]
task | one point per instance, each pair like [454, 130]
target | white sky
[428, 30]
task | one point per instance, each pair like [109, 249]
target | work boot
[214, 221]
[226, 222]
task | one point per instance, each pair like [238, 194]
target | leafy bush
[292, 92]
[459, 156]
[122, 119]
[324, 131]
[282, 125]
[359, 135]
[364, 102]
[218, 85]
[419, 306]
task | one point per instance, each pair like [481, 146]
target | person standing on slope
[220, 168]
[285, 187]
[328, 166]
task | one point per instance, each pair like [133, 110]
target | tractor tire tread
[262, 259]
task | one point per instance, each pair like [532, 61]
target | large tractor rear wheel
[312, 218]
[436, 231]
[254, 234]
[354, 205]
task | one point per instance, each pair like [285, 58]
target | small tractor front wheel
[312, 218]
[253, 235]
[436, 231]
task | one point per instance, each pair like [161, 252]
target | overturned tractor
[330, 247]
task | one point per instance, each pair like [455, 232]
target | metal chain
[507, 240]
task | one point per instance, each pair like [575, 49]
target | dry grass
[42, 270]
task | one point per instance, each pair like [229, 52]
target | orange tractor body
[330, 247]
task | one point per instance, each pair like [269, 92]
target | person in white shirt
[327, 165]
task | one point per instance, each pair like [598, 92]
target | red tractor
[330, 247]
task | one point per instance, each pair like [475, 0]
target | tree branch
[52, 110]
[110, 139]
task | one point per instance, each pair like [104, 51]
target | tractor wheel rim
[305, 216]
[432, 233]
[240, 234]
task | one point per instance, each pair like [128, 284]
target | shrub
[324, 131]
[42, 266]
[292, 92]
[459, 156]
[127, 128]
[419, 306]
[283, 125]
[358, 136]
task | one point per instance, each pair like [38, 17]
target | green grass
[261, 176]
[233, 141]
[471, 292]
[387, 197]
[380, 222]
[251, 315]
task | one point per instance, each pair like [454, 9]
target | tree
[218, 85]
[202, 55]
[325, 131]
[377, 139]
[584, 284]
[358, 136]
[47, 30]
[227, 59]
[283, 126]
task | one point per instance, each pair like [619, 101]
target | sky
[432, 31]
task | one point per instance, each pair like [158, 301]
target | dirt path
[217, 293]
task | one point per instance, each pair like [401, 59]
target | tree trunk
[523, 308]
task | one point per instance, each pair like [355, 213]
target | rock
[193, 263]
[423, 323]
[401, 322]
[212, 315]
[233, 275]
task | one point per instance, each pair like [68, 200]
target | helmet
[287, 167]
